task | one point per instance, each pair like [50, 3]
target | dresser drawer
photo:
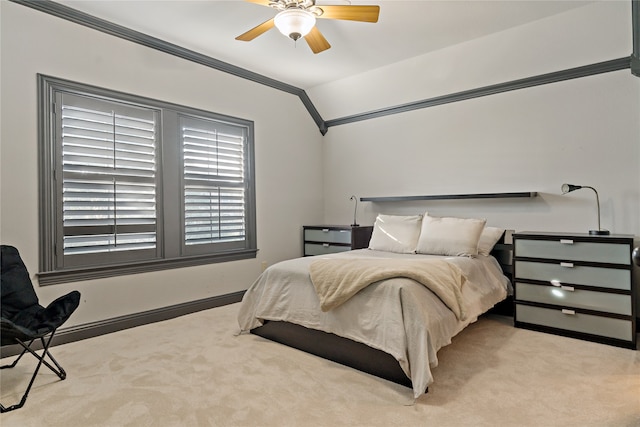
[611, 278]
[568, 250]
[327, 235]
[323, 248]
[578, 298]
[579, 322]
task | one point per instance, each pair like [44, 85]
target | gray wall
[584, 131]
[34, 42]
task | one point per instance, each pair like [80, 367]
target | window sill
[75, 275]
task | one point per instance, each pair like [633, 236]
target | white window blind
[109, 177]
[214, 181]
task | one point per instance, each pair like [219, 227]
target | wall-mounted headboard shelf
[450, 197]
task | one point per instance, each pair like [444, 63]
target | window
[130, 184]
[213, 184]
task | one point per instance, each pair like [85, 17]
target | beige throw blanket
[337, 280]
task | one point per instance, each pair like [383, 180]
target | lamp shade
[295, 23]
[568, 188]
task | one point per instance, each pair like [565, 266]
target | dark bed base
[335, 348]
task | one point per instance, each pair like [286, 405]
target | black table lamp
[568, 188]
[355, 211]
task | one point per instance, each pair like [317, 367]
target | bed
[393, 327]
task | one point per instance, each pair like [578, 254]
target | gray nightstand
[576, 285]
[327, 239]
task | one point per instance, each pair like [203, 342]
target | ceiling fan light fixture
[295, 23]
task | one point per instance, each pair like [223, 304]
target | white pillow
[450, 236]
[396, 233]
[488, 239]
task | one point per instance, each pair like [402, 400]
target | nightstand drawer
[327, 235]
[328, 239]
[578, 322]
[568, 273]
[578, 298]
[568, 250]
[323, 248]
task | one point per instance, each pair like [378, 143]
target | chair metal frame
[58, 370]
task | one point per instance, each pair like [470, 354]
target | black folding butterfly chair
[24, 321]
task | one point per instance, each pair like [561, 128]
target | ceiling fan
[297, 18]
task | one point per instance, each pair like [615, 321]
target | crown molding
[632, 62]
[543, 79]
[90, 21]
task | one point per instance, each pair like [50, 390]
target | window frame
[170, 225]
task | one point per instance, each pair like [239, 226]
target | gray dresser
[327, 239]
[576, 285]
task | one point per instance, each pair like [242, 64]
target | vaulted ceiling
[405, 29]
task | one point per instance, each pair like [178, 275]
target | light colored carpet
[193, 371]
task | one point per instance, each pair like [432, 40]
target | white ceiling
[405, 29]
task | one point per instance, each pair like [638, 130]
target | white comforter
[398, 316]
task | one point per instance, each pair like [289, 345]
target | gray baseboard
[90, 330]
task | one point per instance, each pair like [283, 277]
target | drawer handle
[566, 264]
[325, 230]
[567, 311]
[557, 283]
[566, 241]
[326, 245]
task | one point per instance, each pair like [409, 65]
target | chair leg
[15, 362]
[41, 360]
[60, 372]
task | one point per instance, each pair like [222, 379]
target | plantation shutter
[214, 186]
[109, 200]
[129, 184]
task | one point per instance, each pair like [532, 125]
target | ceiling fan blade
[256, 31]
[351, 13]
[316, 40]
